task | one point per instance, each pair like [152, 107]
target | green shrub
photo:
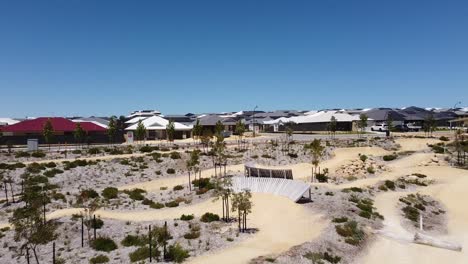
[444, 138]
[390, 185]
[351, 231]
[370, 170]
[389, 157]
[146, 149]
[363, 158]
[133, 240]
[51, 173]
[321, 177]
[136, 194]
[420, 175]
[172, 204]
[192, 235]
[76, 151]
[352, 189]
[170, 171]
[178, 188]
[22, 154]
[157, 205]
[99, 259]
[89, 193]
[50, 164]
[94, 151]
[340, 220]
[143, 253]
[292, 155]
[35, 168]
[175, 155]
[110, 193]
[383, 188]
[203, 183]
[209, 217]
[103, 244]
[177, 253]
[38, 154]
[411, 213]
[186, 217]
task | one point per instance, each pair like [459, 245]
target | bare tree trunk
[223, 209]
[189, 182]
[11, 188]
[35, 254]
[239, 219]
[6, 191]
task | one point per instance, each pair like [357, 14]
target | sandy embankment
[451, 191]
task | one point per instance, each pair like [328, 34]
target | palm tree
[48, 132]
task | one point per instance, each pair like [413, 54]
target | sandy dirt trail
[415, 144]
[272, 215]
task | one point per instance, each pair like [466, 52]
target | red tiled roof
[58, 123]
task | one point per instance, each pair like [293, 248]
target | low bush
[390, 185]
[170, 171]
[99, 259]
[22, 154]
[98, 224]
[172, 204]
[389, 157]
[370, 170]
[50, 164]
[420, 175]
[76, 151]
[35, 168]
[186, 217]
[292, 155]
[51, 173]
[177, 253]
[192, 235]
[157, 205]
[135, 194]
[146, 149]
[340, 220]
[444, 138]
[352, 189]
[134, 240]
[321, 177]
[363, 158]
[209, 217]
[89, 193]
[103, 244]
[38, 154]
[203, 183]
[178, 188]
[94, 151]
[110, 193]
[175, 155]
[411, 213]
[351, 231]
[143, 253]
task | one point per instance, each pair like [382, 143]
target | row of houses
[16, 131]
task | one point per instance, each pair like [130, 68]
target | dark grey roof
[381, 114]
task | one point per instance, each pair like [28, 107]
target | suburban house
[208, 123]
[63, 131]
[6, 121]
[156, 128]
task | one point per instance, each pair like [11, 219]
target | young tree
[242, 203]
[362, 124]
[3, 180]
[112, 129]
[205, 140]
[218, 149]
[389, 122]
[192, 164]
[170, 130]
[90, 205]
[219, 128]
[316, 150]
[333, 126]
[79, 134]
[240, 130]
[223, 190]
[197, 129]
[48, 132]
[429, 125]
[30, 227]
[140, 131]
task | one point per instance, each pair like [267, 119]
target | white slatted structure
[292, 189]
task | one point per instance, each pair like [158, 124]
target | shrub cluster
[389, 157]
[209, 217]
[110, 192]
[351, 231]
[103, 244]
[135, 194]
[99, 259]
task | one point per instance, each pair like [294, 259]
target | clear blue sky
[72, 57]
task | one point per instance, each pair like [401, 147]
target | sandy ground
[272, 215]
[415, 144]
